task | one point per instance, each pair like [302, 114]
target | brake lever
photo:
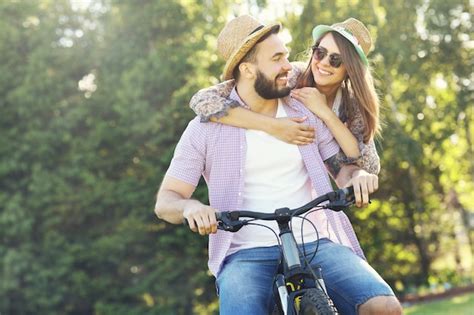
[339, 205]
[229, 221]
[342, 204]
[232, 226]
[343, 199]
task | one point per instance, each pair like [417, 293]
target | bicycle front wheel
[315, 302]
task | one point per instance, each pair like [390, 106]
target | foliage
[94, 98]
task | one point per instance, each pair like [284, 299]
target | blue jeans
[245, 282]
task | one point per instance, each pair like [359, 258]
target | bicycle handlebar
[338, 200]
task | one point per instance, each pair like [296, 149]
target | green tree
[93, 99]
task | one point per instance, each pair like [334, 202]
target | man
[246, 169]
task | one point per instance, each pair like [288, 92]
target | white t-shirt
[275, 177]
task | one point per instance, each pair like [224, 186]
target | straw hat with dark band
[354, 31]
[237, 39]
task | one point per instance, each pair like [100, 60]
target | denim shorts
[245, 281]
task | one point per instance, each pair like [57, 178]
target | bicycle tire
[315, 302]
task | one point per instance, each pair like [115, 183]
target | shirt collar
[235, 96]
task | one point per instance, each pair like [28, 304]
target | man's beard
[268, 89]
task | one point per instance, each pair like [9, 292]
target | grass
[458, 305]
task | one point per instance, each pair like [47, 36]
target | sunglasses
[319, 53]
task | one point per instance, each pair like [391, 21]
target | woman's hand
[292, 130]
[314, 100]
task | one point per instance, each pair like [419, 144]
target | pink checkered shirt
[217, 152]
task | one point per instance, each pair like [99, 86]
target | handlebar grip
[218, 217]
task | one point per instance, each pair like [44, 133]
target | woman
[336, 85]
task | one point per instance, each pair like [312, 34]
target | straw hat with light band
[354, 31]
[237, 38]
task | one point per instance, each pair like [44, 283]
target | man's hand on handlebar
[200, 218]
[364, 184]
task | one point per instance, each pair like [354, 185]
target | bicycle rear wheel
[315, 302]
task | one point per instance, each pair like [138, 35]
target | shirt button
[240, 194]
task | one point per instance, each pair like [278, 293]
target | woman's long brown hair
[357, 88]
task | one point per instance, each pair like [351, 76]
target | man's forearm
[170, 206]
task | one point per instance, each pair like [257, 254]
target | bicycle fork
[288, 300]
[282, 292]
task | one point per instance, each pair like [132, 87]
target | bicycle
[297, 288]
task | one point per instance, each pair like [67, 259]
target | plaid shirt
[217, 152]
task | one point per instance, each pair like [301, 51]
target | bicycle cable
[249, 222]
[308, 263]
[317, 232]
[301, 231]
[302, 236]
[315, 251]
